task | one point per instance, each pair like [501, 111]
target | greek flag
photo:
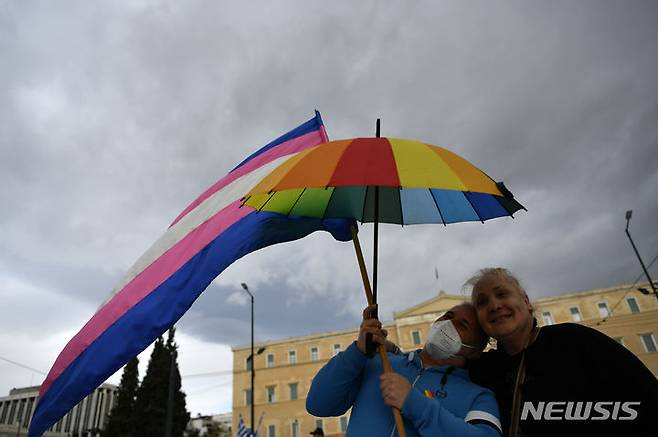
[242, 430]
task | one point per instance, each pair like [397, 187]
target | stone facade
[86, 419]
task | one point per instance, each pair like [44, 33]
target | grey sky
[116, 115]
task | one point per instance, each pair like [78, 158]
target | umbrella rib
[245, 199]
[400, 203]
[365, 199]
[296, 200]
[265, 203]
[437, 207]
[473, 206]
[326, 207]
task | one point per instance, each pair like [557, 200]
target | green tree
[150, 412]
[180, 414]
[120, 421]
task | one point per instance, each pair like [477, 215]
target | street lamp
[251, 356]
[629, 214]
[250, 360]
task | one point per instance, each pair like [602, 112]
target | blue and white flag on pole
[242, 430]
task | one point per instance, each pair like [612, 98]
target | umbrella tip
[377, 132]
[504, 191]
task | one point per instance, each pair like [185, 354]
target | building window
[603, 309]
[247, 363]
[315, 354]
[4, 406]
[548, 318]
[67, 426]
[575, 314]
[336, 349]
[247, 397]
[88, 411]
[270, 360]
[292, 357]
[319, 423]
[12, 412]
[271, 393]
[294, 431]
[293, 391]
[415, 337]
[78, 415]
[343, 424]
[620, 340]
[649, 342]
[271, 431]
[632, 305]
[21, 407]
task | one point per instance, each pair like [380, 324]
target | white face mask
[443, 340]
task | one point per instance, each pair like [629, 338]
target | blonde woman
[558, 380]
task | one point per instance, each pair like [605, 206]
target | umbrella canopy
[381, 180]
[414, 183]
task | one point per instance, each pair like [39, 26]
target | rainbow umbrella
[413, 182]
[385, 180]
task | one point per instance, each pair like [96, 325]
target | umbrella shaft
[375, 247]
[376, 235]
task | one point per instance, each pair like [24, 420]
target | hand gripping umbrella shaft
[399, 424]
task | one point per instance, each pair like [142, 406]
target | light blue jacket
[350, 379]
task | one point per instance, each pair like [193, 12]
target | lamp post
[250, 360]
[629, 214]
[253, 372]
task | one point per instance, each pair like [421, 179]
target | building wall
[85, 419]
[621, 324]
[282, 412]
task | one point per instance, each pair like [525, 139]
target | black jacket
[570, 363]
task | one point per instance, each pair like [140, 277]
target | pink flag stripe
[144, 283]
[231, 191]
[209, 207]
[289, 147]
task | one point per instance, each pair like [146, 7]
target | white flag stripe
[208, 208]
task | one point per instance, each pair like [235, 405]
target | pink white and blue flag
[208, 236]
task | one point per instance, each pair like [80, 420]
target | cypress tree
[120, 420]
[180, 416]
[151, 403]
[150, 411]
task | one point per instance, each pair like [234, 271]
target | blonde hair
[493, 272]
[498, 273]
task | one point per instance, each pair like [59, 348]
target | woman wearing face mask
[559, 380]
[429, 386]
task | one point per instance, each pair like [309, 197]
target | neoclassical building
[285, 369]
[86, 419]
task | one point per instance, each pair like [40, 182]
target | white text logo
[579, 410]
